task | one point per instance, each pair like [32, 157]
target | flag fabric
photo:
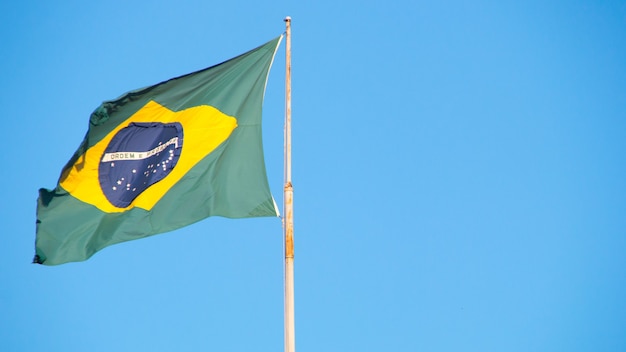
[160, 158]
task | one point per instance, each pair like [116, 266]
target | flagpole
[290, 340]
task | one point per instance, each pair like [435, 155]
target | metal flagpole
[290, 340]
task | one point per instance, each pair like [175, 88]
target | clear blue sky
[459, 172]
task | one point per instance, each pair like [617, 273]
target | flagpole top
[288, 19]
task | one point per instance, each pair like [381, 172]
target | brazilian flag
[160, 158]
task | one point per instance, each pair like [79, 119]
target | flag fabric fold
[160, 158]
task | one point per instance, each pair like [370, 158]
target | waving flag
[160, 158]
